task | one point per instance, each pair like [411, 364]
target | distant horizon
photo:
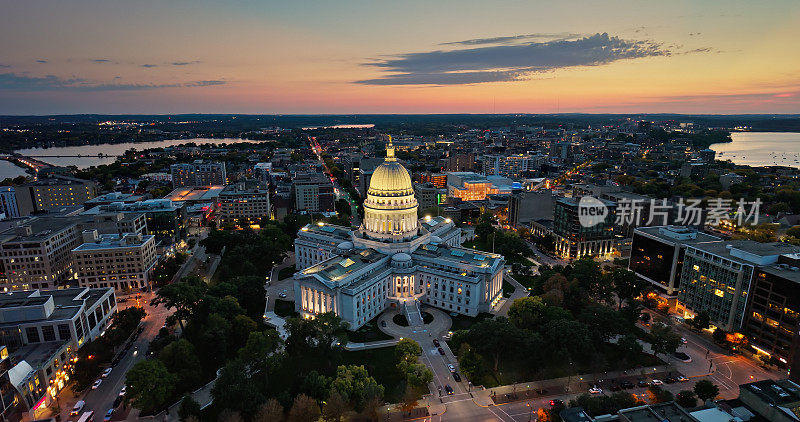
[726, 57]
[511, 114]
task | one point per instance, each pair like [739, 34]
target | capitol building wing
[393, 260]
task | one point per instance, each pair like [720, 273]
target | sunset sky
[338, 57]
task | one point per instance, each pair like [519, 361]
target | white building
[392, 260]
[246, 201]
[122, 262]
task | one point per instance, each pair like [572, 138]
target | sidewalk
[558, 386]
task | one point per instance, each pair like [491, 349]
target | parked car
[595, 390]
[643, 383]
[626, 384]
[436, 342]
[76, 410]
[448, 389]
[451, 367]
[282, 295]
[108, 415]
[383, 323]
[117, 401]
[97, 384]
[122, 391]
[556, 402]
[441, 351]
[106, 372]
[670, 380]
[456, 377]
[683, 340]
[683, 379]
[658, 382]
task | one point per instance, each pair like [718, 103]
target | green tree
[183, 296]
[304, 409]
[188, 407]
[470, 362]
[356, 386]
[686, 399]
[149, 384]
[719, 335]
[527, 312]
[407, 350]
[702, 320]
[627, 285]
[566, 340]
[180, 358]
[603, 323]
[705, 390]
[663, 340]
[494, 337]
[237, 388]
[316, 386]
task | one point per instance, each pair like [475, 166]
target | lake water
[111, 151]
[761, 149]
[8, 170]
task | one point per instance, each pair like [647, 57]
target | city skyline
[359, 57]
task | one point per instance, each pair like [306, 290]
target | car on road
[441, 351]
[683, 357]
[106, 372]
[448, 389]
[76, 410]
[122, 392]
[451, 367]
[626, 385]
[670, 380]
[108, 415]
[383, 323]
[97, 384]
[282, 295]
[456, 377]
[683, 379]
[117, 401]
[643, 383]
[556, 402]
[683, 340]
[595, 390]
[658, 382]
[436, 342]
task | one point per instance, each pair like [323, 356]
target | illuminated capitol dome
[390, 210]
[395, 259]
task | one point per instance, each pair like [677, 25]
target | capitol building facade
[394, 260]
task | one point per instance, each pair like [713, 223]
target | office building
[657, 256]
[429, 196]
[717, 277]
[37, 253]
[244, 202]
[393, 260]
[165, 219]
[459, 161]
[527, 206]
[508, 165]
[8, 202]
[53, 192]
[772, 322]
[198, 173]
[111, 197]
[438, 180]
[313, 192]
[468, 186]
[123, 262]
[575, 240]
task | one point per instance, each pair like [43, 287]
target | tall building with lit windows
[393, 260]
[53, 192]
[718, 277]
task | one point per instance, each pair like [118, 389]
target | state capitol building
[393, 260]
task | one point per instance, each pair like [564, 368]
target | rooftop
[748, 251]
[195, 194]
[783, 393]
[663, 412]
[338, 267]
[333, 230]
[113, 241]
[42, 227]
[458, 255]
[38, 354]
[679, 234]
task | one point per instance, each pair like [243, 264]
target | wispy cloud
[15, 82]
[5, 66]
[148, 65]
[101, 61]
[514, 39]
[41, 61]
[509, 62]
[185, 63]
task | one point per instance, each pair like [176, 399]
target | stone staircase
[413, 314]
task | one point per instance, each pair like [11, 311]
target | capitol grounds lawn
[287, 272]
[368, 332]
[285, 308]
[508, 288]
[513, 371]
[463, 322]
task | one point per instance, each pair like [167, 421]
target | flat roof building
[123, 262]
